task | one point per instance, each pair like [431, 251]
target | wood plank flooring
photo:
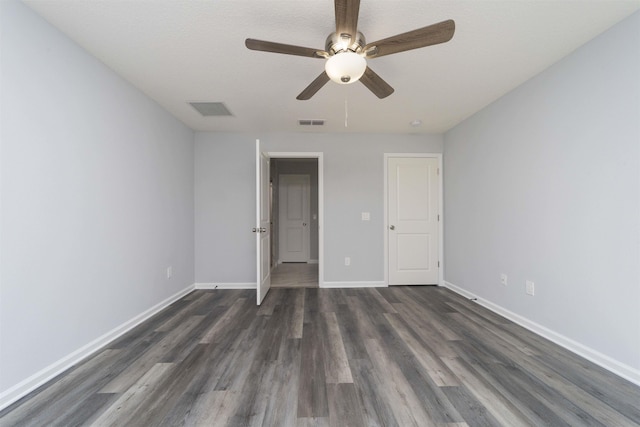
[295, 275]
[400, 356]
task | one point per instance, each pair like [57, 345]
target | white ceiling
[179, 51]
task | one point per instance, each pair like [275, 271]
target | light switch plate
[530, 288]
[366, 216]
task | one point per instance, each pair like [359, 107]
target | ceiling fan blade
[288, 49]
[375, 84]
[433, 34]
[347, 17]
[315, 86]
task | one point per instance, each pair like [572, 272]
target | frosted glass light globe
[345, 67]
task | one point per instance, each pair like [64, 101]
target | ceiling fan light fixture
[346, 50]
[345, 67]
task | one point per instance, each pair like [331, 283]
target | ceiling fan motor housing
[342, 42]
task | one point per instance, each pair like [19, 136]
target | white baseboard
[460, 291]
[625, 371]
[250, 285]
[363, 284]
[26, 386]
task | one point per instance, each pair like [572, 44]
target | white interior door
[262, 229]
[294, 201]
[413, 196]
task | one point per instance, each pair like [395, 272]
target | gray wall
[97, 198]
[544, 185]
[353, 183]
[225, 188]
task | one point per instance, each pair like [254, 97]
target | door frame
[438, 156]
[319, 156]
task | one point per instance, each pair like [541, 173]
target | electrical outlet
[503, 279]
[531, 288]
[366, 216]
[347, 261]
[169, 272]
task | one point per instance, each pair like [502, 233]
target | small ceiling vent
[311, 122]
[211, 109]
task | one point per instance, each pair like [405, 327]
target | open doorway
[295, 214]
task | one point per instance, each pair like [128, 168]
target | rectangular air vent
[311, 122]
[210, 109]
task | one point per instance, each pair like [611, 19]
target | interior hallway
[295, 275]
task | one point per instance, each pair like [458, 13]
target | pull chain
[346, 114]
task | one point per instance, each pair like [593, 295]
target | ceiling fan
[347, 52]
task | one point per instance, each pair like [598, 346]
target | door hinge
[438, 171]
[438, 217]
[438, 264]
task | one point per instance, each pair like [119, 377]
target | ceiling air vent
[311, 122]
[210, 109]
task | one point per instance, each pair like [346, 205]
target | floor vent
[210, 109]
[311, 122]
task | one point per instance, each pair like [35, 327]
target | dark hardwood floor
[401, 356]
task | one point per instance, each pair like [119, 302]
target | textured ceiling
[193, 51]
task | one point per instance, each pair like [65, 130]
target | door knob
[392, 227]
[304, 224]
[255, 230]
[263, 230]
